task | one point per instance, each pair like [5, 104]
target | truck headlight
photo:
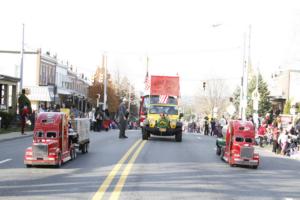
[152, 122]
[173, 124]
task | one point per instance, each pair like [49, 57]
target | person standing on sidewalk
[24, 109]
[122, 117]
[275, 137]
[206, 126]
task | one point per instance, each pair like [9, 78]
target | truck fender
[179, 124]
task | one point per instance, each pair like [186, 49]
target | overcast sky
[199, 40]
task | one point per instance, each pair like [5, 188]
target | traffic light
[204, 83]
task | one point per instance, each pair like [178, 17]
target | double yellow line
[118, 188]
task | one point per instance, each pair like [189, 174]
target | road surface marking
[199, 138]
[101, 191]
[4, 161]
[118, 188]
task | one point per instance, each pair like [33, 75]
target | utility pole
[105, 82]
[21, 64]
[245, 75]
[129, 98]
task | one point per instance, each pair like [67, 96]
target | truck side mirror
[180, 115]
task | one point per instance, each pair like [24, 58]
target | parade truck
[237, 148]
[56, 139]
[159, 111]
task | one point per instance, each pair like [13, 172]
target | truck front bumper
[158, 132]
[49, 161]
[245, 162]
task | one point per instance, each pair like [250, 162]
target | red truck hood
[45, 142]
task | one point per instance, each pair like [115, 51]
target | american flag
[163, 99]
[147, 81]
[147, 78]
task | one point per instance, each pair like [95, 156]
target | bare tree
[213, 97]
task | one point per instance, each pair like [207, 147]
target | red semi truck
[54, 141]
[238, 146]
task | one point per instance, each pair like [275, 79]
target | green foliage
[24, 101]
[287, 107]
[7, 118]
[236, 98]
[264, 105]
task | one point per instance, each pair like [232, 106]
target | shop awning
[40, 93]
[63, 91]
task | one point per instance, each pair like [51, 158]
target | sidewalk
[268, 148]
[14, 135]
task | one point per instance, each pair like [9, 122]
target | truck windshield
[39, 134]
[170, 110]
[51, 134]
[241, 139]
[248, 140]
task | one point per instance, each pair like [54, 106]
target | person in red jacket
[24, 117]
[261, 133]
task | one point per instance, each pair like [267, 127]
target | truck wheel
[178, 137]
[59, 162]
[28, 166]
[218, 151]
[73, 154]
[254, 167]
[222, 153]
[87, 148]
[145, 135]
[83, 148]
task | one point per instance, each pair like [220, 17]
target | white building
[285, 86]
[47, 81]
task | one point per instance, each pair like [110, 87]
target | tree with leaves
[287, 107]
[264, 105]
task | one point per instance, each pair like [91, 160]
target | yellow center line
[101, 191]
[118, 188]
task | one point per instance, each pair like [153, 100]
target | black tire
[87, 147]
[28, 166]
[59, 162]
[222, 153]
[73, 154]
[218, 151]
[144, 135]
[83, 148]
[254, 167]
[178, 137]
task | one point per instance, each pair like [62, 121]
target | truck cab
[51, 144]
[237, 148]
[163, 120]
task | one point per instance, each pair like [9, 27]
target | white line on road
[4, 161]
[199, 138]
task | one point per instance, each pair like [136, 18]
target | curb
[269, 150]
[28, 134]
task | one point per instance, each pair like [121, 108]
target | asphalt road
[159, 168]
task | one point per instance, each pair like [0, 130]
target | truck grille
[247, 152]
[40, 151]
